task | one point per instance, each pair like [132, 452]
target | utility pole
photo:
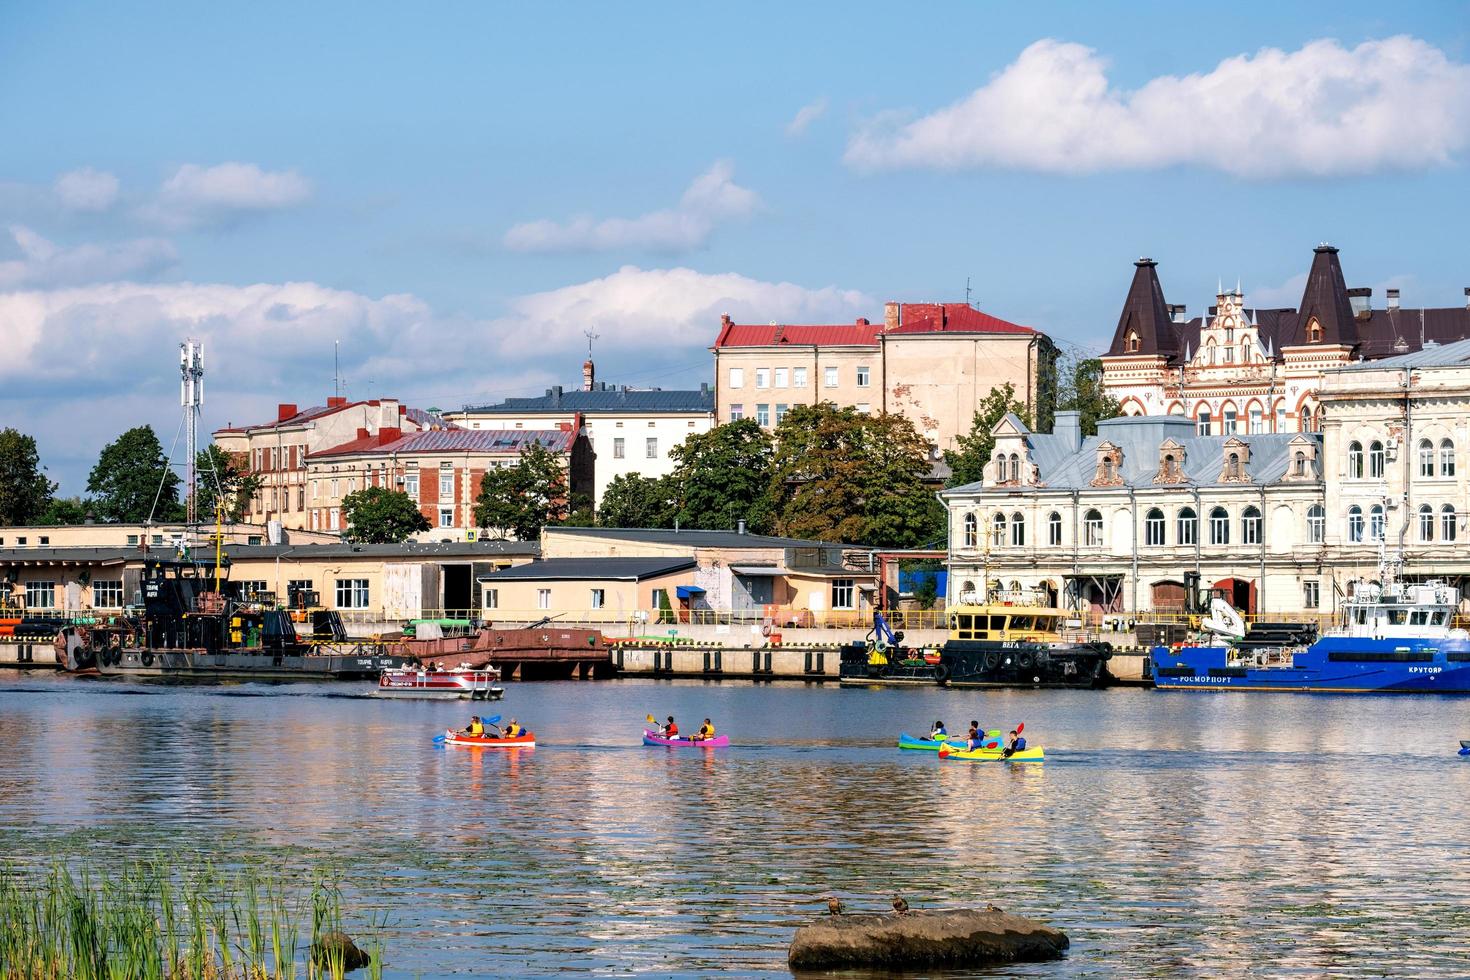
[191, 397]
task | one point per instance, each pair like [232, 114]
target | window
[1219, 526]
[1018, 530]
[1132, 343]
[45, 539]
[1355, 460]
[1258, 423]
[1426, 522]
[250, 588]
[972, 533]
[334, 488]
[300, 498]
[1015, 468]
[829, 377]
[132, 539]
[1202, 422]
[650, 447]
[842, 593]
[1316, 524]
[1054, 529]
[352, 593]
[1092, 529]
[798, 377]
[618, 448]
[1311, 594]
[491, 599]
[998, 531]
[446, 483]
[783, 376]
[863, 408]
[1250, 526]
[40, 595]
[1375, 523]
[107, 594]
[1355, 524]
[862, 377]
[762, 377]
[1375, 460]
[1426, 458]
[446, 517]
[1447, 522]
[298, 587]
[737, 377]
[1446, 458]
[1188, 526]
[763, 415]
[1153, 528]
[543, 598]
[411, 484]
[157, 539]
[596, 598]
[1227, 422]
[1280, 418]
[781, 411]
[737, 411]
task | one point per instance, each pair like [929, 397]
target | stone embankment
[939, 938]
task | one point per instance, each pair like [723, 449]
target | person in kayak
[512, 730]
[670, 731]
[705, 731]
[476, 727]
[1014, 744]
[938, 732]
[974, 737]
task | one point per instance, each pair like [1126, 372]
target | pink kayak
[654, 738]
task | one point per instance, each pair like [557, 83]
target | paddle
[487, 721]
[658, 729]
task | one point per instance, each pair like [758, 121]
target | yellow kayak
[1037, 754]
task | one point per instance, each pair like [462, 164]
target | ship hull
[982, 663]
[203, 667]
[1330, 666]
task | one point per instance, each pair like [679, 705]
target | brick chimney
[588, 374]
[284, 411]
[891, 316]
[387, 434]
[362, 433]
[336, 402]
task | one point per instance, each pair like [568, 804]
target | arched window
[1015, 468]
[1018, 529]
[1153, 528]
[1426, 522]
[1250, 526]
[1188, 526]
[1132, 344]
[1299, 464]
[1355, 524]
[1375, 523]
[1446, 458]
[1092, 529]
[1355, 460]
[1426, 458]
[967, 591]
[1447, 522]
[972, 531]
[1107, 468]
[1316, 524]
[998, 531]
[1232, 467]
[1219, 526]
[1375, 460]
[1314, 331]
[1000, 467]
[1245, 350]
[1054, 529]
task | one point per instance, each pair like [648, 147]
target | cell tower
[191, 397]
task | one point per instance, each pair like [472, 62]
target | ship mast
[191, 397]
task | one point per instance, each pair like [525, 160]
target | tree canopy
[724, 477]
[632, 500]
[379, 515]
[24, 489]
[1081, 390]
[235, 479]
[522, 499]
[65, 511]
[132, 472]
[967, 461]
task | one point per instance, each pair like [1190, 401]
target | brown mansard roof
[1146, 314]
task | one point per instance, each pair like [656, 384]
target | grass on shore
[150, 922]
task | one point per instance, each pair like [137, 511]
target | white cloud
[1320, 111]
[86, 189]
[194, 196]
[711, 198]
[43, 263]
[1288, 294]
[805, 116]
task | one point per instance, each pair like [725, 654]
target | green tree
[967, 461]
[234, 478]
[524, 498]
[131, 473]
[24, 489]
[65, 511]
[580, 513]
[899, 506]
[724, 476]
[1082, 391]
[631, 500]
[378, 515]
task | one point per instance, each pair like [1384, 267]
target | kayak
[907, 741]
[527, 740]
[654, 738]
[1037, 754]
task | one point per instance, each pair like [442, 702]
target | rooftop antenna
[591, 336]
[191, 397]
[967, 292]
[336, 369]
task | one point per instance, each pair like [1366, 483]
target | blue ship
[1390, 638]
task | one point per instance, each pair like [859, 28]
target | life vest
[476, 728]
[512, 730]
[672, 731]
[707, 731]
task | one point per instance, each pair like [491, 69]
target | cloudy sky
[458, 191]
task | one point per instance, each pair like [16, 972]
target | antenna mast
[967, 292]
[191, 397]
[591, 336]
[336, 368]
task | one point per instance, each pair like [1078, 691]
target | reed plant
[149, 921]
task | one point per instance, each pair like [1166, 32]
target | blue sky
[457, 191]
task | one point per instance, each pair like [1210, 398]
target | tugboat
[1390, 636]
[881, 659]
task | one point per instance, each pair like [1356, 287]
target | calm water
[1169, 834]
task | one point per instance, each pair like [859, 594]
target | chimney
[725, 321]
[285, 410]
[362, 433]
[336, 402]
[1067, 428]
[1393, 299]
[740, 527]
[1361, 298]
[588, 373]
[387, 434]
[388, 413]
[892, 316]
[1467, 297]
[862, 321]
[1176, 313]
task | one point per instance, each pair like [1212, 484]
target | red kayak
[526, 740]
[654, 738]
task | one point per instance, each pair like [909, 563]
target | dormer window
[1133, 343]
[1314, 331]
[1237, 456]
[1171, 463]
[1109, 466]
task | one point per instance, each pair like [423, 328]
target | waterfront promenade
[1168, 835]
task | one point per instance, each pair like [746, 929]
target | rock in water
[954, 937]
[333, 945]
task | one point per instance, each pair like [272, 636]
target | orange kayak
[528, 740]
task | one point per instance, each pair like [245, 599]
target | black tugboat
[193, 627]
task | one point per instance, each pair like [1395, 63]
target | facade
[931, 362]
[1239, 370]
[277, 451]
[611, 590]
[440, 470]
[628, 430]
[162, 536]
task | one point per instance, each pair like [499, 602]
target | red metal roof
[914, 318]
[951, 318]
[509, 441]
